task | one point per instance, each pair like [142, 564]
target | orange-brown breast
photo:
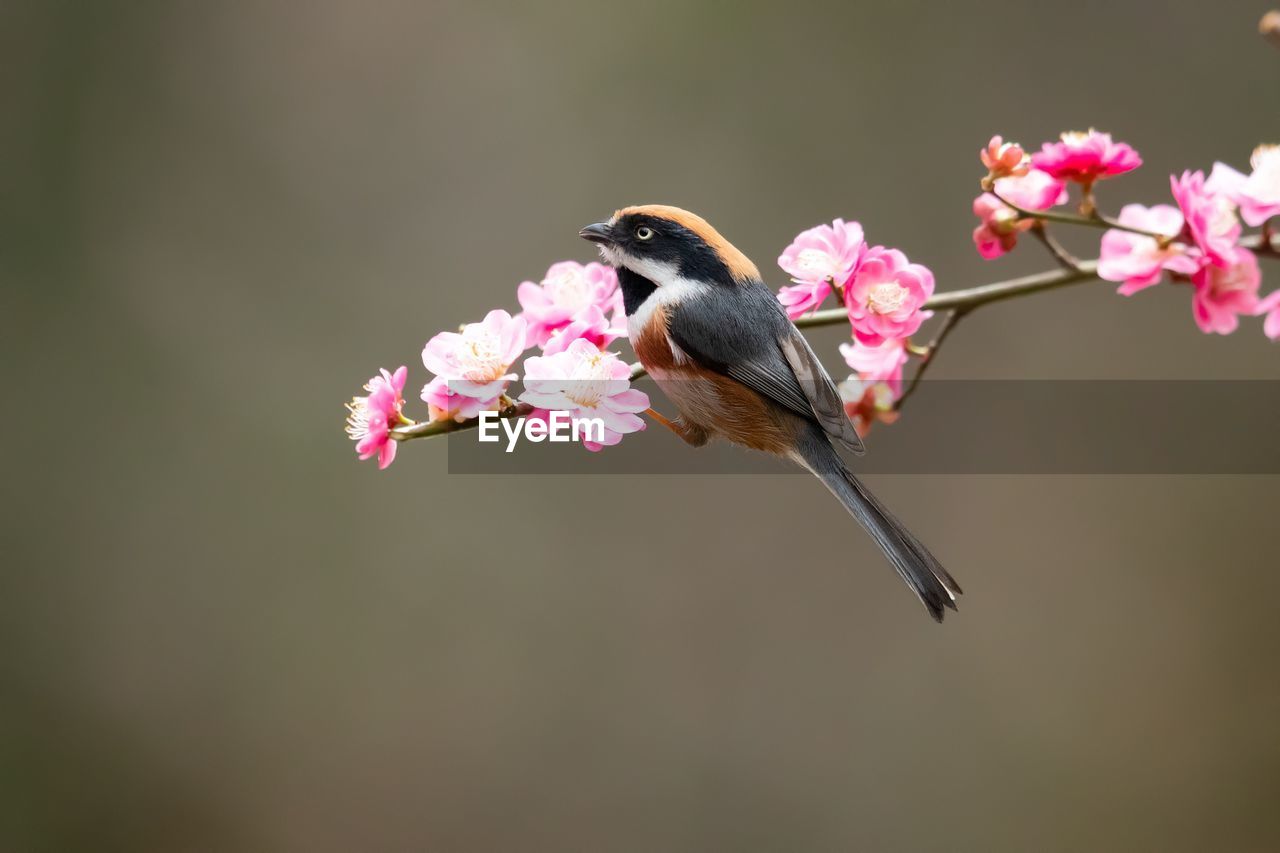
[740, 266]
[720, 405]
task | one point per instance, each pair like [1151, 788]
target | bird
[717, 342]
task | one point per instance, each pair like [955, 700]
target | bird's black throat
[635, 289]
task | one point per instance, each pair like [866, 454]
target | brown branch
[960, 302]
[948, 323]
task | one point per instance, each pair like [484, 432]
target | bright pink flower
[588, 324]
[1210, 217]
[568, 290]
[1001, 226]
[998, 232]
[1257, 194]
[824, 253]
[886, 295]
[588, 384]
[1003, 159]
[370, 419]
[1086, 157]
[804, 297]
[1036, 190]
[1139, 261]
[473, 365]
[1271, 307]
[868, 402]
[881, 363]
[1225, 292]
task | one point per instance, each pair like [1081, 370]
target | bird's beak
[599, 232]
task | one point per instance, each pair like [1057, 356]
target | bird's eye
[644, 232]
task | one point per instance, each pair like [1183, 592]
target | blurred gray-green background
[219, 632]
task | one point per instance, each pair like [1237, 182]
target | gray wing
[821, 393]
[757, 345]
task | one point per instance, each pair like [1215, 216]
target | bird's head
[663, 244]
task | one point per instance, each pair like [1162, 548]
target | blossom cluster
[884, 295]
[1195, 240]
[571, 316]
[575, 312]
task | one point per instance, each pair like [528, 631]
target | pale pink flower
[1223, 293]
[1271, 308]
[1139, 261]
[868, 402]
[568, 289]
[804, 297]
[886, 295]
[1004, 159]
[1258, 194]
[827, 253]
[473, 365]
[1086, 157]
[588, 384]
[370, 419]
[1000, 227]
[444, 403]
[881, 363]
[1210, 217]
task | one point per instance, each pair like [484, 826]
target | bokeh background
[218, 632]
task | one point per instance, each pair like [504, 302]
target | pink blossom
[1270, 307]
[1210, 217]
[881, 363]
[588, 324]
[827, 253]
[1001, 225]
[1003, 159]
[1086, 157]
[444, 403]
[567, 291]
[999, 229]
[1257, 194]
[370, 419]
[1225, 292]
[588, 384]
[472, 366]
[886, 295]
[868, 402]
[1139, 261]
[803, 297]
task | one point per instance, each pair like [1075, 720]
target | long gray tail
[920, 569]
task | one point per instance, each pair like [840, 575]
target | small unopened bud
[1003, 160]
[1004, 221]
[1269, 27]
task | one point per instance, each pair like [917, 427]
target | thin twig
[1094, 220]
[1060, 254]
[949, 321]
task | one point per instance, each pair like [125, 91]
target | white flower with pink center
[588, 384]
